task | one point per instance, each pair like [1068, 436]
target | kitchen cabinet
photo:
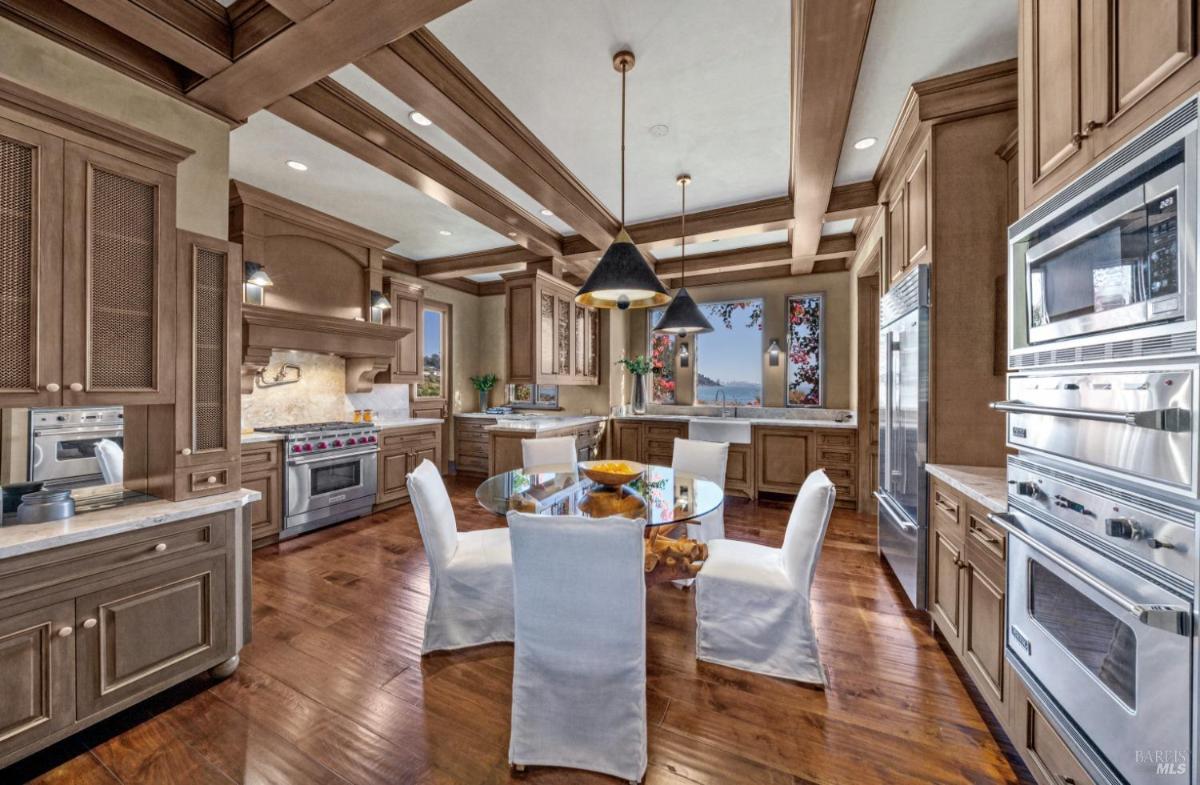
[471, 444]
[407, 303]
[739, 470]
[1093, 73]
[400, 451]
[647, 441]
[910, 212]
[37, 675]
[897, 259]
[89, 260]
[550, 339]
[1048, 757]
[785, 455]
[262, 471]
[946, 564]
[505, 451]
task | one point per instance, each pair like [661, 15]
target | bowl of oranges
[614, 473]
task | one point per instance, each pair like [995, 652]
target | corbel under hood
[367, 347]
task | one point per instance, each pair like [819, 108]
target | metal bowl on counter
[45, 505]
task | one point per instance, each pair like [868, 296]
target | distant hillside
[704, 381]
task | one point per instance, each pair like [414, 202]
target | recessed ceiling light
[298, 166]
[547, 212]
[419, 118]
[660, 129]
[512, 234]
[865, 142]
[445, 232]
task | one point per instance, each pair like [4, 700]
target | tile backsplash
[319, 396]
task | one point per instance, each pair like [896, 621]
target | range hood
[367, 347]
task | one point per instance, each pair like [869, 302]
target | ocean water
[740, 394]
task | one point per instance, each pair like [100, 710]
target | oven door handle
[333, 457]
[1174, 420]
[1172, 618]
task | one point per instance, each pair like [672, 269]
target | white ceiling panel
[913, 40]
[727, 244]
[346, 187]
[715, 73]
[837, 227]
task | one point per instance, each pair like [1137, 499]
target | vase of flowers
[640, 367]
[483, 385]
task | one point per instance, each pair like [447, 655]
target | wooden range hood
[367, 347]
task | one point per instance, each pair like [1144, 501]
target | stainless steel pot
[45, 505]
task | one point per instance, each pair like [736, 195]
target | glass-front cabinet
[550, 338]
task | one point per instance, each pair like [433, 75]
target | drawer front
[256, 457]
[474, 437]
[471, 465]
[667, 431]
[659, 447]
[407, 439]
[842, 439]
[827, 456]
[946, 510]
[117, 553]
[207, 481]
[983, 535]
[472, 425]
[149, 631]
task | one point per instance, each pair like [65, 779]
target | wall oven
[1106, 269]
[62, 443]
[1100, 618]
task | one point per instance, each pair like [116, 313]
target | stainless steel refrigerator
[903, 429]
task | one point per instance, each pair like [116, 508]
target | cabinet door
[407, 303]
[547, 345]
[265, 518]
[983, 632]
[521, 316]
[30, 266]
[916, 211]
[897, 256]
[562, 337]
[149, 632]
[209, 345]
[782, 457]
[118, 281]
[393, 476]
[37, 675]
[1051, 95]
[430, 454]
[945, 587]
[627, 440]
[579, 342]
[593, 350]
[1039, 744]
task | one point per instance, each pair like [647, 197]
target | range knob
[321, 445]
[308, 447]
[295, 448]
[1119, 527]
[337, 442]
[371, 439]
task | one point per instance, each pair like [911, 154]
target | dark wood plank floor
[333, 689]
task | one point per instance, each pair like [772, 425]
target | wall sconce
[254, 278]
[379, 304]
[684, 356]
[773, 353]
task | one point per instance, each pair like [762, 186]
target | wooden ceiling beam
[333, 36]
[852, 201]
[507, 260]
[190, 32]
[297, 10]
[423, 73]
[828, 40]
[834, 246]
[338, 116]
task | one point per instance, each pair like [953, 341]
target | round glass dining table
[661, 496]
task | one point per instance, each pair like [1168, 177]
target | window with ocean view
[729, 359]
[662, 356]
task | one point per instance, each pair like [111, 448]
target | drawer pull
[212, 479]
[76, 387]
[162, 546]
[53, 387]
[65, 632]
[89, 624]
[941, 503]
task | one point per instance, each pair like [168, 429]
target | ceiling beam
[335, 35]
[298, 9]
[423, 73]
[188, 32]
[852, 201]
[509, 260]
[834, 246]
[828, 40]
[338, 116]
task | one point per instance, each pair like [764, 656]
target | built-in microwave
[1106, 269]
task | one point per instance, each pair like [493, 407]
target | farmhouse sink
[719, 429]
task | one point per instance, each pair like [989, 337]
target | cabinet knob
[65, 632]
[186, 451]
[89, 624]
[53, 387]
[212, 479]
[162, 546]
[76, 387]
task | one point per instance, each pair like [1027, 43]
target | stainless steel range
[1102, 591]
[331, 476]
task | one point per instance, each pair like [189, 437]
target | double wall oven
[1104, 495]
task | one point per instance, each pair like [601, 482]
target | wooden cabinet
[909, 215]
[626, 440]
[471, 444]
[896, 257]
[551, 339]
[1045, 753]
[739, 470]
[785, 455]
[37, 675]
[1092, 73]
[262, 471]
[400, 451]
[88, 257]
[407, 303]
[647, 441]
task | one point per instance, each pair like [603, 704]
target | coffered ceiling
[757, 101]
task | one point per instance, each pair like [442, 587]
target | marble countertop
[792, 422]
[259, 436]
[985, 485]
[33, 537]
[408, 422]
[538, 424]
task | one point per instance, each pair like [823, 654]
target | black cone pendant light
[622, 279]
[683, 316]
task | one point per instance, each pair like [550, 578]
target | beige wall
[774, 292]
[202, 190]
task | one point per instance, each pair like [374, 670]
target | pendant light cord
[624, 70]
[683, 236]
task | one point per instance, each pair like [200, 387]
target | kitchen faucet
[726, 410]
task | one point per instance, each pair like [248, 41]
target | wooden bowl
[609, 477]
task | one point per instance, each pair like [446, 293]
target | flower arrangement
[639, 366]
[484, 383]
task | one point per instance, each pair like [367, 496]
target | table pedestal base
[672, 558]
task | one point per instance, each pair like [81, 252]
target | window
[433, 350]
[532, 396]
[729, 359]
[804, 349]
[662, 356]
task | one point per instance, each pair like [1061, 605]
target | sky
[432, 332]
[729, 355]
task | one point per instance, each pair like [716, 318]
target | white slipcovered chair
[112, 461]
[707, 460]
[470, 573]
[753, 608]
[556, 454]
[579, 670]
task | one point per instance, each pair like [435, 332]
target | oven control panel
[1149, 529]
[308, 444]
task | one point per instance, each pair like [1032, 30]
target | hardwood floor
[333, 689]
